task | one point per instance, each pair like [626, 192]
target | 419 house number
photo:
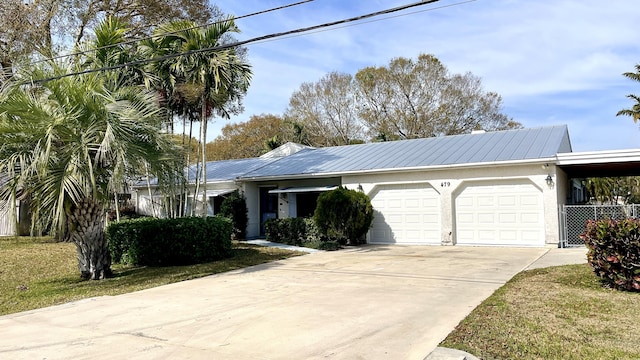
[445, 184]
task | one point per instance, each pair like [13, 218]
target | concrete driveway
[373, 302]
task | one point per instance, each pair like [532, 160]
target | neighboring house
[14, 215]
[499, 188]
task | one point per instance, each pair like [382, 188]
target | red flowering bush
[614, 252]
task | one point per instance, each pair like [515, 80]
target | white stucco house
[499, 188]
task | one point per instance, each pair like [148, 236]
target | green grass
[37, 272]
[555, 313]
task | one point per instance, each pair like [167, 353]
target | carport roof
[488, 147]
[600, 163]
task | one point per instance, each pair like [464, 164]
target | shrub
[344, 215]
[126, 212]
[614, 252]
[235, 208]
[168, 242]
[298, 232]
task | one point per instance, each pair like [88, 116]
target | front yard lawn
[37, 272]
[560, 312]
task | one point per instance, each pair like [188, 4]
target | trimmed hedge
[169, 242]
[344, 215]
[614, 252]
[298, 232]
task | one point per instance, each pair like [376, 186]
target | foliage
[74, 141]
[298, 232]
[344, 215]
[417, 99]
[169, 242]
[634, 111]
[49, 27]
[328, 110]
[614, 190]
[248, 139]
[404, 100]
[234, 207]
[614, 252]
[202, 82]
[126, 212]
[38, 272]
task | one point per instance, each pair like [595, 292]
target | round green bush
[234, 207]
[344, 215]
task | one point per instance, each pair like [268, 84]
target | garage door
[405, 214]
[509, 214]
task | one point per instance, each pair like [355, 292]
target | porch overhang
[218, 192]
[302, 189]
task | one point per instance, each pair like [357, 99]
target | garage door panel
[508, 218]
[530, 218]
[504, 214]
[507, 201]
[412, 204]
[486, 201]
[406, 214]
[413, 219]
[486, 218]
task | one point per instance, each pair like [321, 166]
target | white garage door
[508, 214]
[405, 214]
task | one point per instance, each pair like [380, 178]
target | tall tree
[27, 28]
[43, 28]
[75, 140]
[218, 79]
[420, 98]
[249, 139]
[328, 110]
[634, 111]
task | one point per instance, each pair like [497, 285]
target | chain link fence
[573, 219]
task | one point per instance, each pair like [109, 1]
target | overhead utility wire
[375, 20]
[238, 43]
[132, 41]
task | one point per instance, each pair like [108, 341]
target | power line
[132, 41]
[239, 43]
[375, 20]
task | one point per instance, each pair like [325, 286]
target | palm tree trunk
[86, 230]
[117, 206]
[203, 127]
[186, 194]
[151, 202]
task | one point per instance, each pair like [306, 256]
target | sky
[553, 62]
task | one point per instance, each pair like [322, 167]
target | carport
[581, 165]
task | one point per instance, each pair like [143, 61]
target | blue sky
[553, 61]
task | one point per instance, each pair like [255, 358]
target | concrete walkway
[374, 302]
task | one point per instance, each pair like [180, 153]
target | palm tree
[216, 80]
[74, 140]
[634, 111]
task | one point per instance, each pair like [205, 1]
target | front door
[268, 206]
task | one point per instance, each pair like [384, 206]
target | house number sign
[445, 184]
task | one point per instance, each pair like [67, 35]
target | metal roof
[218, 171]
[489, 147]
[227, 170]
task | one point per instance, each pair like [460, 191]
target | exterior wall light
[549, 180]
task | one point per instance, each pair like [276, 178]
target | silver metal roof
[497, 146]
[226, 170]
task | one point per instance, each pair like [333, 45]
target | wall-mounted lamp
[549, 180]
[360, 188]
